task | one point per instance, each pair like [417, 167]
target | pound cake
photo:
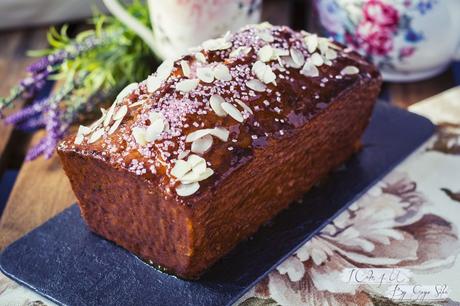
[194, 159]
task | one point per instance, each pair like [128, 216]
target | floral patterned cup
[408, 40]
[180, 24]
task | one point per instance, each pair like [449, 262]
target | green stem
[124, 17]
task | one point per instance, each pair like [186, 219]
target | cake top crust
[201, 116]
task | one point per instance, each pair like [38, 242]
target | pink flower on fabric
[386, 228]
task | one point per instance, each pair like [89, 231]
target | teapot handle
[127, 19]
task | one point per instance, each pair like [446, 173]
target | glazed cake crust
[275, 110]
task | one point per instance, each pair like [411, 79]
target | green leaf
[54, 39]
[38, 53]
[83, 35]
[63, 33]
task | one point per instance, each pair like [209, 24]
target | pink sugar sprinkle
[192, 110]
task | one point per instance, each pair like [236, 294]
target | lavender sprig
[59, 124]
[72, 51]
[45, 66]
[36, 81]
[55, 126]
[15, 93]
[32, 124]
[110, 55]
[50, 60]
[54, 129]
[37, 150]
[27, 112]
[27, 88]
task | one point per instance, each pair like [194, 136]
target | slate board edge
[23, 283]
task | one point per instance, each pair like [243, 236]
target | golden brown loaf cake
[196, 158]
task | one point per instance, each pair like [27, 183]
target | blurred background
[32, 13]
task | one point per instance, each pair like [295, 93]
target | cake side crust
[279, 175]
[128, 210]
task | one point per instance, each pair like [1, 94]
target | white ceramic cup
[408, 40]
[180, 24]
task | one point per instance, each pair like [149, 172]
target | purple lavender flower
[59, 122]
[31, 124]
[51, 113]
[45, 66]
[53, 129]
[27, 112]
[50, 60]
[27, 88]
[34, 83]
[37, 150]
[57, 119]
[47, 144]
[72, 51]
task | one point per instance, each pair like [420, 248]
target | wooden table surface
[41, 189]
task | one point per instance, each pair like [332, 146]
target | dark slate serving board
[65, 262]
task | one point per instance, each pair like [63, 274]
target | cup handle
[121, 14]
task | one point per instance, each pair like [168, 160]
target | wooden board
[41, 191]
[40, 179]
[406, 94]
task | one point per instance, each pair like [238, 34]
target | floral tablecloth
[407, 222]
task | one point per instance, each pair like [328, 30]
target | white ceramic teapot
[180, 24]
[407, 39]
